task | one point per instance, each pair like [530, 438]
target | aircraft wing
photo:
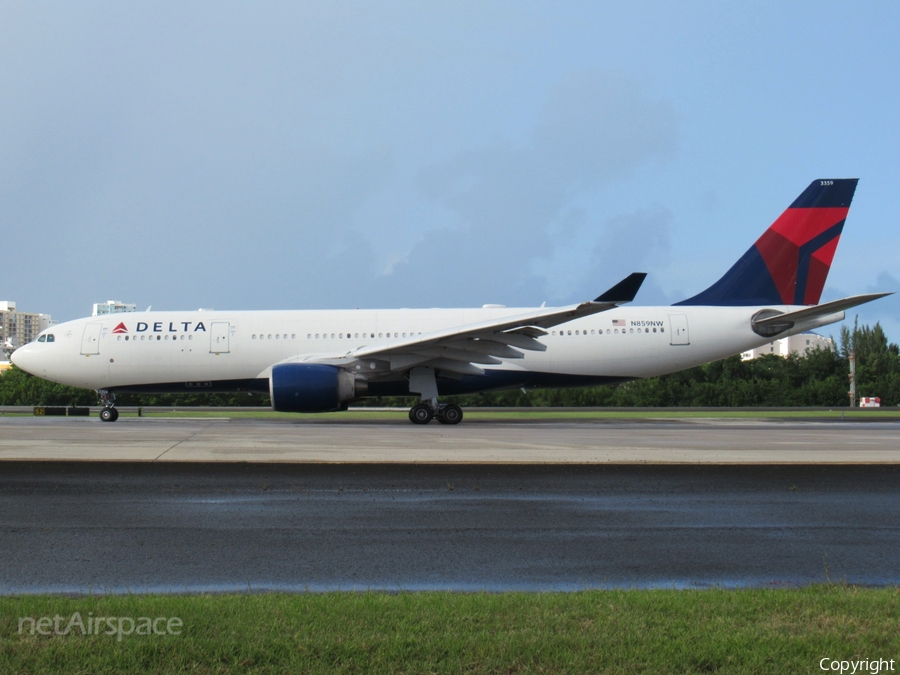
[463, 349]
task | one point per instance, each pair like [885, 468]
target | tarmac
[308, 440]
[310, 504]
[177, 527]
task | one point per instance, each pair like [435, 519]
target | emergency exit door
[90, 341]
[218, 337]
[678, 330]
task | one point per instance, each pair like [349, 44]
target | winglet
[625, 290]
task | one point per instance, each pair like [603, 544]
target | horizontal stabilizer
[625, 290]
[772, 324]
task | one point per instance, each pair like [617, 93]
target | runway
[189, 527]
[179, 505]
[305, 440]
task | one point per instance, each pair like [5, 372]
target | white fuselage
[198, 348]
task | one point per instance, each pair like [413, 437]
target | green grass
[657, 631]
[536, 414]
[546, 414]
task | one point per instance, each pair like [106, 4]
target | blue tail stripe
[830, 193]
[806, 252]
[747, 283]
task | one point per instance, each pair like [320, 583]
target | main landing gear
[423, 413]
[422, 381]
[109, 412]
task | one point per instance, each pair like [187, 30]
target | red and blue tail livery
[789, 263]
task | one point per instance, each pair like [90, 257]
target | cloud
[886, 308]
[885, 311]
[595, 129]
[635, 242]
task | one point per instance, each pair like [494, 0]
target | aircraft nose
[25, 359]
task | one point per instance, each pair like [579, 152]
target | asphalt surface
[302, 439]
[188, 527]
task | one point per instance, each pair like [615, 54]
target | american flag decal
[618, 322]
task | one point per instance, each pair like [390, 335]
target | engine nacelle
[304, 387]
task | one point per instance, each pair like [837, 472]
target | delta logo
[157, 327]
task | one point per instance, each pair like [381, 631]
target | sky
[288, 155]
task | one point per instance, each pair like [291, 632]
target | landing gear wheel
[421, 414]
[450, 414]
[109, 414]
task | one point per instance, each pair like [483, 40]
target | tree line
[818, 378]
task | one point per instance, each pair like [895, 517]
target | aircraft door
[678, 330]
[218, 337]
[90, 341]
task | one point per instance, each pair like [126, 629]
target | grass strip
[543, 414]
[536, 414]
[616, 631]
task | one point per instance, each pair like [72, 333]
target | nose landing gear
[109, 412]
[422, 381]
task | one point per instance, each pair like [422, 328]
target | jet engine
[304, 387]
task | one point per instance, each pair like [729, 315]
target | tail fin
[788, 264]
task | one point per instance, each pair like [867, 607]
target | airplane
[323, 360]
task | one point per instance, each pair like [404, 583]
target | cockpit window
[42, 338]
[50, 338]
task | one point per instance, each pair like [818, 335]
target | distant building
[795, 344]
[112, 307]
[18, 328]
